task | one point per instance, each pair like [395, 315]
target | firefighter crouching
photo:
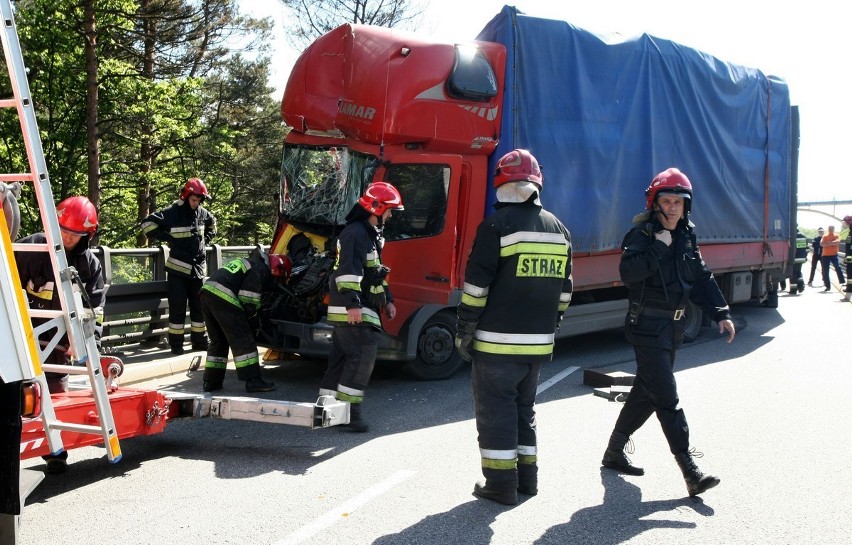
[517, 285]
[358, 296]
[230, 300]
[186, 227]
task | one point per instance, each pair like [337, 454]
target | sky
[804, 43]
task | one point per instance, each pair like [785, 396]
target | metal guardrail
[136, 308]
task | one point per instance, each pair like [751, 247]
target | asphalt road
[770, 412]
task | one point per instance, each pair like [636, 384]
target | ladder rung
[79, 428]
[45, 313]
[65, 369]
[17, 177]
[8, 103]
[34, 247]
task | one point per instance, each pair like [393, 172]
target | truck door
[421, 241]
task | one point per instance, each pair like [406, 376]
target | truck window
[319, 185]
[472, 77]
[424, 191]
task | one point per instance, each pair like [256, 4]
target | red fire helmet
[379, 197]
[673, 181]
[518, 165]
[281, 265]
[77, 215]
[194, 186]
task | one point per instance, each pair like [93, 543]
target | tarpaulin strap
[767, 250]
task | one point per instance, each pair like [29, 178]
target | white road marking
[332, 517]
[554, 379]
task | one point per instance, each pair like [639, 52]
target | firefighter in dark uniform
[186, 227]
[816, 254]
[662, 268]
[230, 300]
[797, 281]
[358, 296]
[848, 221]
[517, 285]
[78, 221]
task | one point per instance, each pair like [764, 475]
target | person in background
[230, 300]
[797, 281]
[517, 285]
[816, 256]
[830, 247]
[186, 227]
[848, 246]
[663, 270]
[358, 296]
[78, 222]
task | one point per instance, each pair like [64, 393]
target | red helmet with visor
[671, 181]
[78, 215]
[194, 186]
[380, 197]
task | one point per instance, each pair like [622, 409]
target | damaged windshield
[319, 185]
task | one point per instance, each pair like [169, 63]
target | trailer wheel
[693, 320]
[437, 358]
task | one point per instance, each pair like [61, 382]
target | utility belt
[675, 314]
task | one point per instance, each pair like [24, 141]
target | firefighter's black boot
[257, 384]
[615, 458]
[212, 385]
[527, 479]
[500, 485]
[696, 481]
[356, 419]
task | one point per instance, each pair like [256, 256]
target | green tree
[313, 18]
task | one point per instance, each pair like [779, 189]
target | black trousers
[504, 404]
[814, 262]
[183, 291]
[351, 361]
[229, 330]
[655, 391]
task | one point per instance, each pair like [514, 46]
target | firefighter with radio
[230, 300]
[78, 222]
[186, 227]
[663, 270]
[517, 285]
[358, 297]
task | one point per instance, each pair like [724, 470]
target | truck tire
[437, 358]
[693, 320]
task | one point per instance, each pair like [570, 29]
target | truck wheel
[693, 319]
[437, 358]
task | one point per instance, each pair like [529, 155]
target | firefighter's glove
[664, 236]
[464, 338]
[558, 319]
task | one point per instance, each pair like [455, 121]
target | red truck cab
[362, 109]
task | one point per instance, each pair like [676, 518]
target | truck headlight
[319, 335]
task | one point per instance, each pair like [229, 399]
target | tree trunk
[146, 197]
[93, 154]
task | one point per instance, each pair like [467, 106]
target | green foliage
[174, 101]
